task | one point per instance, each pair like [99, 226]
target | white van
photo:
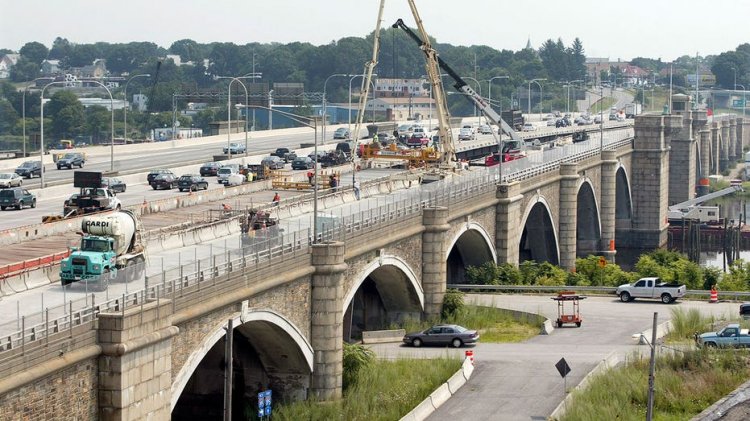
[224, 172]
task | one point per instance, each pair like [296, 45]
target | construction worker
[356, 189]
[276, 199]
[310, 176]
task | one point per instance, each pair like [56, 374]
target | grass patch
[493, 324]
[686, 323]
[385, 390]
[606, 103]
[686, 384]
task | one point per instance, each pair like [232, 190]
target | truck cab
[730, 336]
[95, 258]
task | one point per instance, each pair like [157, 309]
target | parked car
[192, 182]
[164, 181]
[210, 168]
[528, 127]
[303, 163]
[30, 169]
[485, 129]
[466, 133]
[154, 173]
[732, 336]
[234, 148]
[417, 140]
[273, 162]
[10, 179]
[16, 197]
[321, 154]
[285, 153]
[222, 176]
[114, 184]
[341, 133]
[453, 335]
[551, 122]
[69, 160]
[651, 287]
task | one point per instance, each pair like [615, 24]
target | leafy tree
[453, 304]
[67, 114]
[34, 52]
[187, 49]
[98, 123]
[4, 51]
[726, 64]
[8, 117]
[356, 358]
[24, 70]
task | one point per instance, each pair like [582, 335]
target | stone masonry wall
[69, 394]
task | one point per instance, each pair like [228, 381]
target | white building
[401, 108]
[6, 62]
[387, 88]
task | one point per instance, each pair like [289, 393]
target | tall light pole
[127, 104]
[252, 75]
[235, 79]
[349, 120]
[540, 90]
[325, 109]
[568, 85]
[479, 88]
[489, 91]
[41, 126]
[23, 114]
[743, 97]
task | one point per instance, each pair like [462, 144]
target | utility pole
[651, 369]
[228, 367]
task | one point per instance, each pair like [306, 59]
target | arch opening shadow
[588, 230]
[388, 294]
[538, 242]
[265, 356]
[623, 204]
[471, 248]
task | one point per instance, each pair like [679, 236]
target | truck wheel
[80, 165]
[33, 203]
[624, 297]
[2, 207]
[666, 298]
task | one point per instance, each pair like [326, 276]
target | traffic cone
[714, 296]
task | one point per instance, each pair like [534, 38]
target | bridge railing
[178, 282]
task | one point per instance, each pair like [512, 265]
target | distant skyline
[664, 29]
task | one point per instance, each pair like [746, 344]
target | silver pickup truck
[730, 336]
[651, 288]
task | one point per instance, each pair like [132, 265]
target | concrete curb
[441, 394]
[608, 362]
[720, 408]
[383, 336]
[662, 329]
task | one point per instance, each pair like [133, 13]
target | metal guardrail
[176, 283]
[745, 295]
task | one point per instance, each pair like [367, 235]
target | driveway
[520, 381]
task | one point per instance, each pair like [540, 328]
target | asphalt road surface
[519, 381]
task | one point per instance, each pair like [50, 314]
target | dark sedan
[210, 169]
[192, 182]
[114, 184]
[453, 335]
[302, 163]
[164, 181]
[154, 173]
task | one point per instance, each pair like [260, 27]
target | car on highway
[552, 122]
[164, 181]
[227, 171]
[286, 154]
[273, 162]
[114, 184]
[303, 163]
[466, 133]
[417, 140]
[210, 169]
[70, 160]
[341, 133]
[453, 335]
[528, 127]
[485, 129]
[234, 148]
[154, 173]
[30, 169]
[10, 179]
[16, 197]
[191, 182]
[321, 154]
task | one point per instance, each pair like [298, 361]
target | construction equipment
[515, 145]
[692, 209]
[259, 231]
[573, 317]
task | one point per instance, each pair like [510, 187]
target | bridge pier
[735, 150]
[568, 221]
[507, 221]
[607, 203]
[135, 368]
[434, 266]
[725, 145]
[327, 319]
[705, 135]
[715, 148]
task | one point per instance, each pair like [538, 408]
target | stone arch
[539, 243]
[588, 222]
[271, 323]
[470, 246]
[390, 287]
[623, 199]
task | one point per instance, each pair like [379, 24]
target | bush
[453, 304]
[356, 357]
[493, 274]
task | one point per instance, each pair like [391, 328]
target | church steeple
[528, 43]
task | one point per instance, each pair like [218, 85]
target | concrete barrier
[662, 329]
[36, 278]
[421, 411]
[171, 242]
[440, 395]
[456, 381]
[467, 368]
[221, 231]
[383, 336]
[15, 284]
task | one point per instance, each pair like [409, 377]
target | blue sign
[260, 412]
[264, 403]
[268, 411]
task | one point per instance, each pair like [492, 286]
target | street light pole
[236, 79]
[325, 109]
[125, 107]
[540, 90]
[743, 97]
[489, 91]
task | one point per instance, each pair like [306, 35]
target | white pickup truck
[651, 288]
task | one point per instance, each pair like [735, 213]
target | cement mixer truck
[111, 249]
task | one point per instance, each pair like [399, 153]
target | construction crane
[447, 148]
[433, 62]
[365, 89]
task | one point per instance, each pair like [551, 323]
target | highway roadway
[519, 381]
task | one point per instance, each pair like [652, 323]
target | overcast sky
[622, 29]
